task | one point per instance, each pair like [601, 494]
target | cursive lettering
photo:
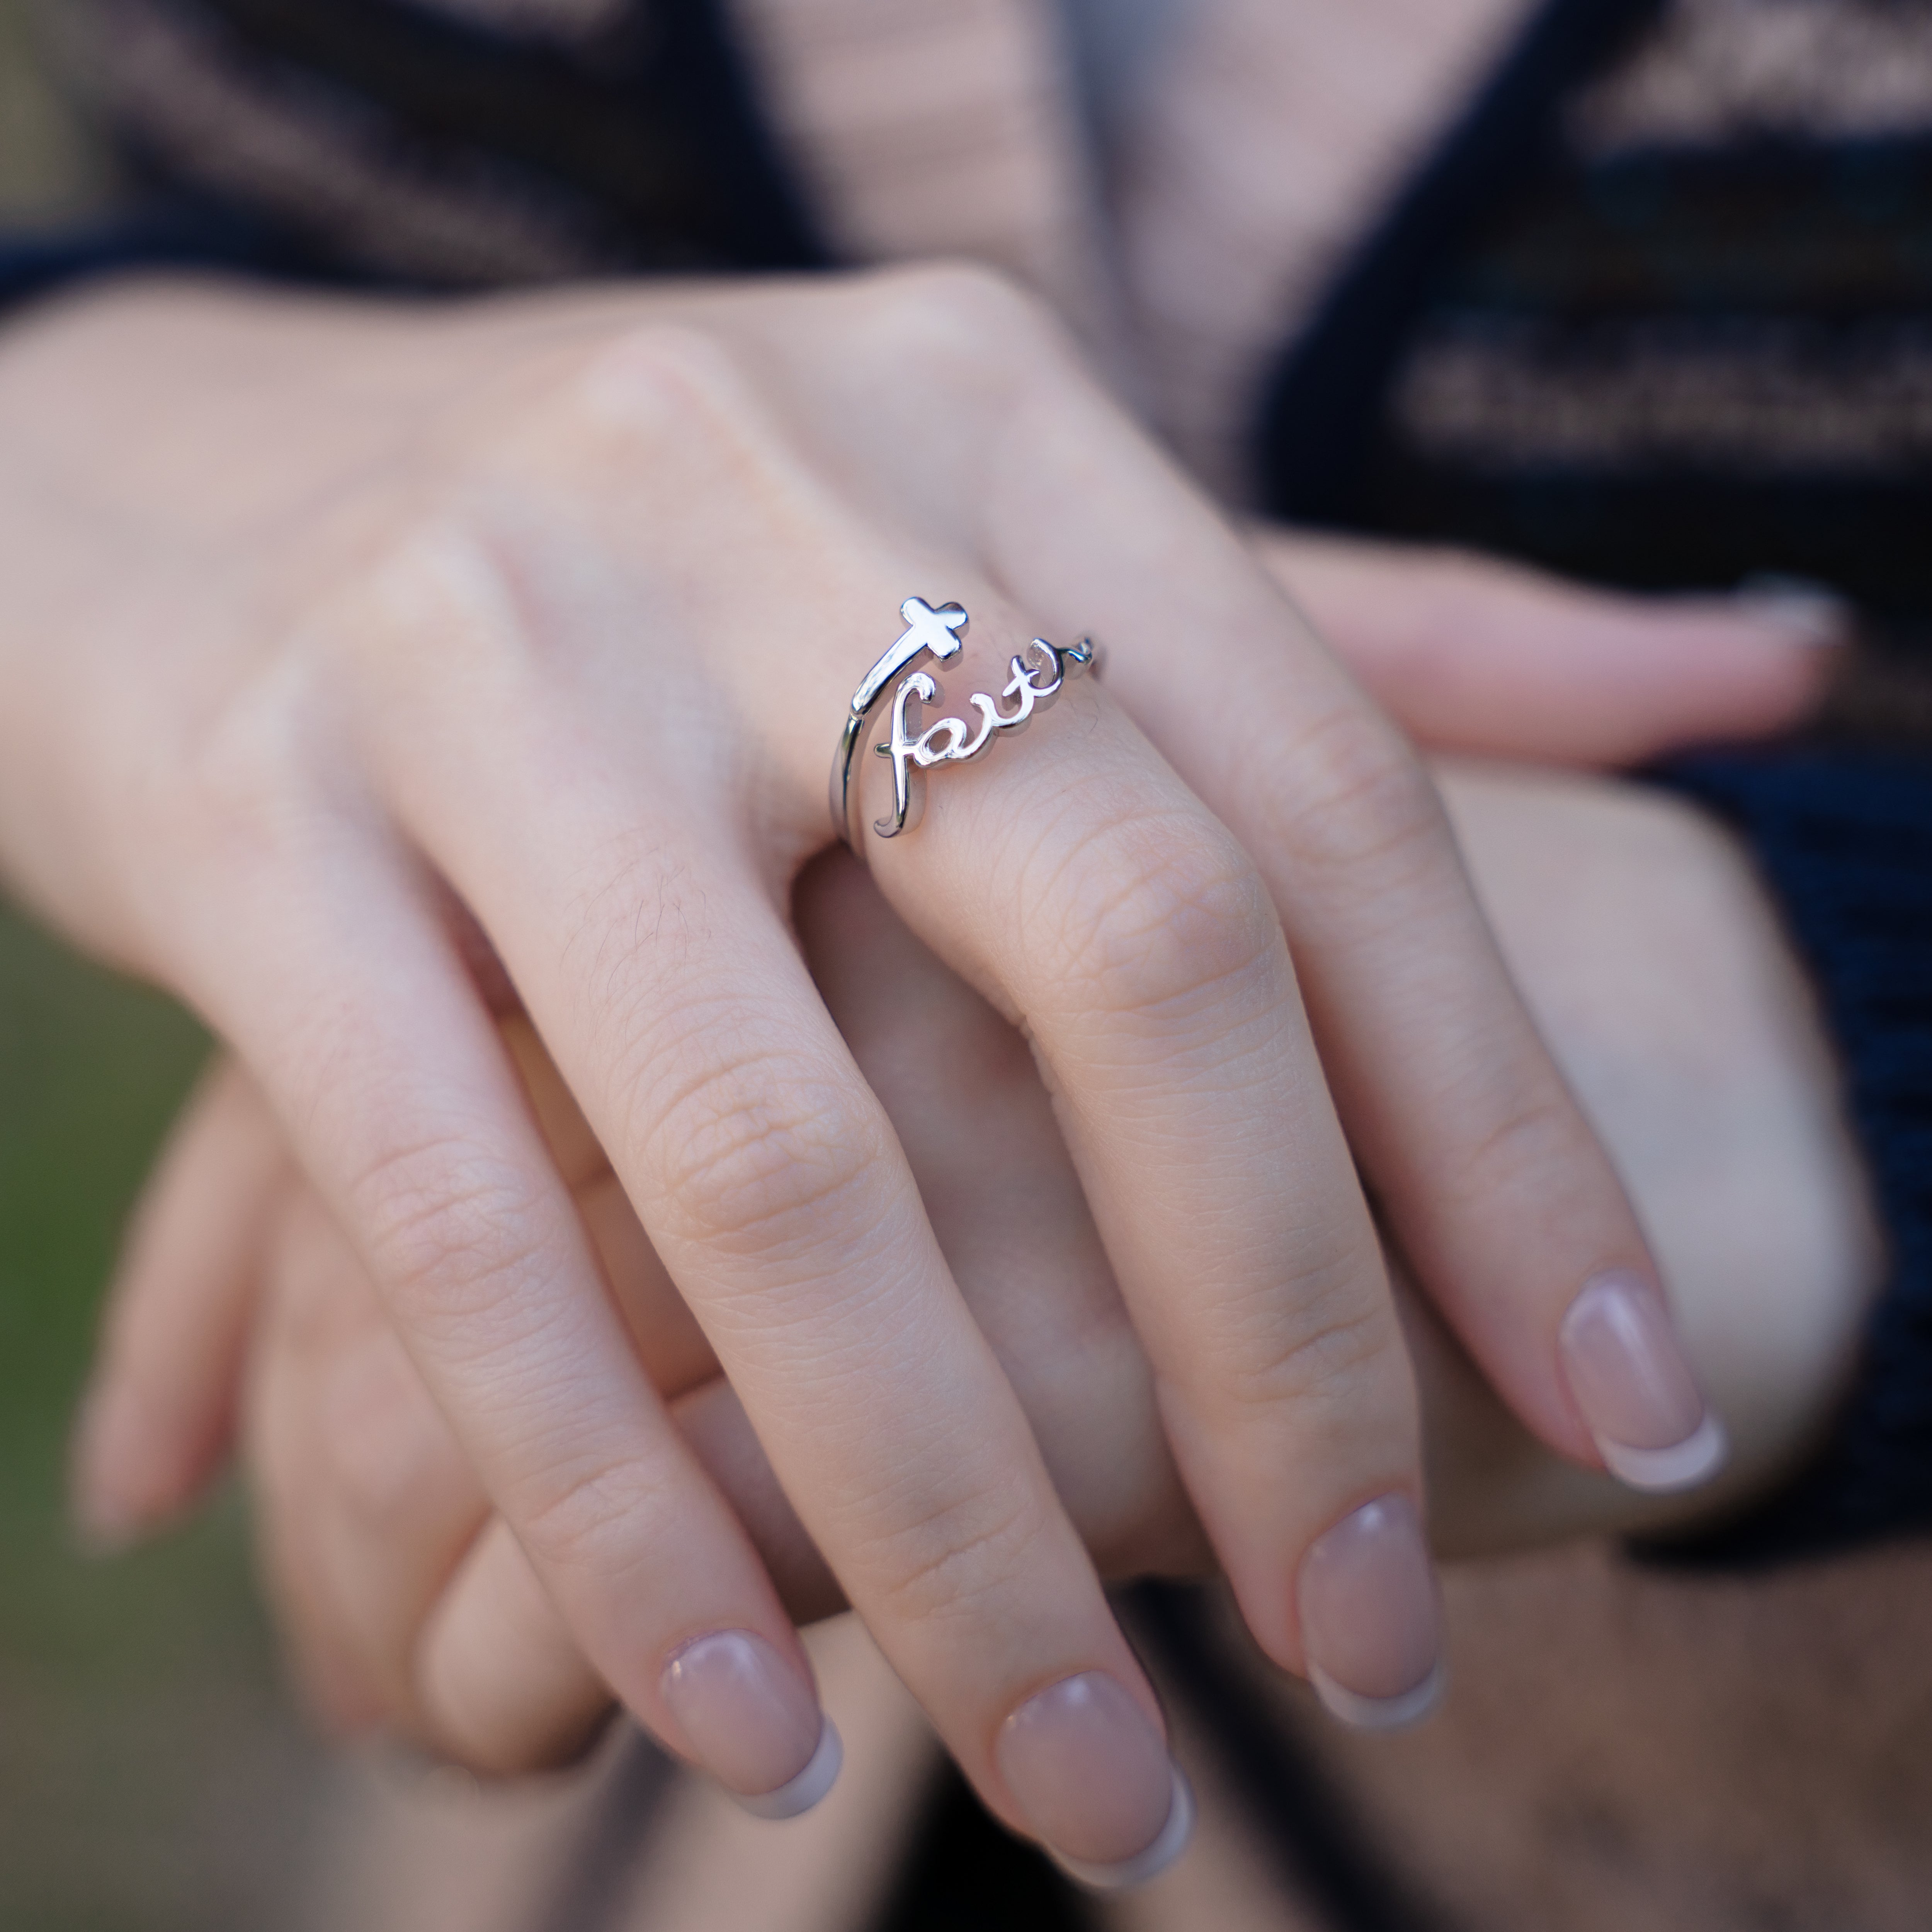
[952, 741]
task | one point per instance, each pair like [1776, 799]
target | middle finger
[1085, 890]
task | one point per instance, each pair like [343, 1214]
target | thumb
[1474, 655]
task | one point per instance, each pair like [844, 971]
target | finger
[369, 1509]
[676, 1005]
[1291, 1354]
[1471, 654]
[1497, 1190]
[504, 1686]
[156, 1421]
[373, 1527]
[406, 1107]
[580, 1161]
[771, 1190]
[372, 1506]
[288, 1470]
[671, 1344]
[1081, 883]
[1006, 1204]
[392, 1505]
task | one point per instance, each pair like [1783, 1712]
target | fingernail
[1627, 1373]
[1095, 1783]
[1371, 1628]
[1808, 613]
[753, 1723]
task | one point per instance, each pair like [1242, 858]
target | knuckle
[603, 1521]
[670, 381]
[468, 561]
[958, 1559]
[243, 801]
[238, 771]
[448, 1221]
[1536, 1131]
[959, 324]
[1320, 1349]
[755, 1153]
[439, 599]
[1160, 915]
[1352, 799]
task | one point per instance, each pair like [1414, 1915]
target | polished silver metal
[1036, 677]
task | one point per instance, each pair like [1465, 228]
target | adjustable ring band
[1036, 677]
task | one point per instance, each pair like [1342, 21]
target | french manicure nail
[1808, 613]
[1371, 1627]
[1095, 1783]
[1627, 1373]
[753, 1723]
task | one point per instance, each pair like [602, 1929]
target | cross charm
[937, 630]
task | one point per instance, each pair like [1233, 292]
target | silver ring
[1036, 677]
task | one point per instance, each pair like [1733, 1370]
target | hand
[1468, 653]
[1664, 985]
[389, 645]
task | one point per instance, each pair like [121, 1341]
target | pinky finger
[157, 1420]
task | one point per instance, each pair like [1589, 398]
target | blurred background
[152, 1776]
[47, 170]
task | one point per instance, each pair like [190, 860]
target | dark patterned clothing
[1660, 314]
[1677, 327]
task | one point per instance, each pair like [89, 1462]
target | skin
[1451, 642]
[1489, 659]
[369, 670]
[1642, 943]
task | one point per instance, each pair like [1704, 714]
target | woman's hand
[360, 660]
[1643, 946]
[1468, 653]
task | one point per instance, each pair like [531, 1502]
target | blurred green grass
[150, 1776]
